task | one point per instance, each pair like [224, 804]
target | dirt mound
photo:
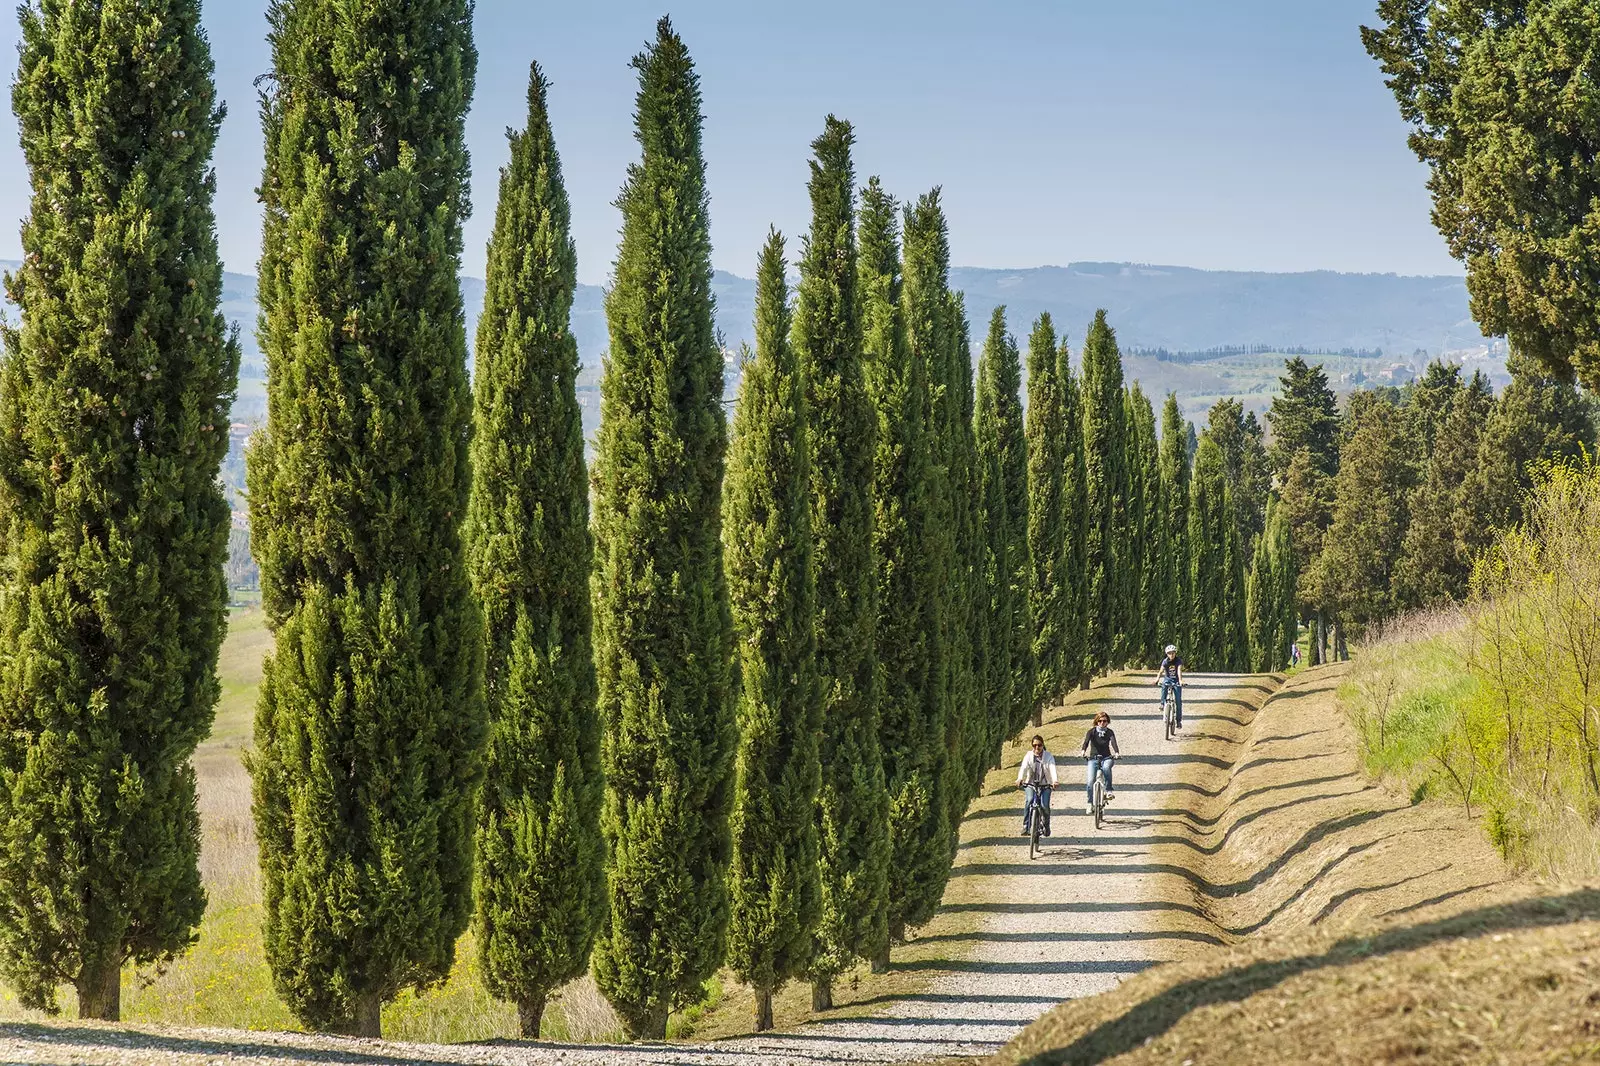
[1359, 927]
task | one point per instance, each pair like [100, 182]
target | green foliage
[1536, 419]
[853, 802]
[1048, 586]
[357, 487]
[541, 877]
[1370, 513]
[662, 624]
[1270, 594]
[1244, 456]
[1105, 493]
[1304, 416]
[1074, 529]
[1446, 530]
[114, 395]
[1175, 606]
[1500, 100]
[774, 882]
[1149, 533]
[912, 727]
[1218, 638]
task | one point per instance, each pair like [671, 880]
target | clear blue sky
[1235, 134]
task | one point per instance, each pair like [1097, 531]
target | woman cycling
[1100, 748]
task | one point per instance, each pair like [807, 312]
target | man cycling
[1037, 774]
[1169, 678]
[1100, 748]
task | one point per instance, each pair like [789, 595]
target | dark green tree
[972, 625]
[1244, 455]
[1426, 405]
[912, 729]
[370, 722]
[1151, 532]
[1074, 529]
[853, 802]
[1175, 604]
[924, 298]
[662, 626]
[1106, 473]
[114, 397]
[775, 882]
[1047, 542]
[1537, 418]
[1007, 513]
[1498, 96]
[1212, 534]
[1370, 513]
[1436, 557]
[998, 699]
[1304, 416]
[540, 886]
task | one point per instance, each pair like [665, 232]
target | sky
[1232, 134]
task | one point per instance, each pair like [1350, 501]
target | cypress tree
[972, 624]
[1538, 417]
[1149, 534]
[1261, 603]
[1211, 532]
[1002, 377]
[662, 624]
[1244, 454]
[775, 883]
[1074, 527]
[114, 396]
[1105, 472]
[1304, 415]
[998, 697]
[1175, 602]
[541, 875]
[1286, 582]
[1129, 544]
[370, 721]
[923, 298]
[912, 726]
[1047, 541]
[853, 803]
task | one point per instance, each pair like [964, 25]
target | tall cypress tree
[1074, 528]
[775, 884]
[114, 395]
[1105, 471]
[926, 314]
[1048, 584]
[540, 887]
[1446, 527]
[853, 803]
[1211, 530]
[1176, 607]
[1537, 417]
[1304, 415]
[370, 722]
[662, 624]
[1147, 532]
[1261, 602]
[912, 727]
[998, 698]
[972, 624]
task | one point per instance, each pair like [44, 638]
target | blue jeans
[1177, 699]
[1027, 808]
[1096, 763]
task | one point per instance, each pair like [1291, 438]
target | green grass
[1403, 697]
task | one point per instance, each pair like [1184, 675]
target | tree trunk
[880, 960]
[530, 1013]
[1319, 641]
[652, 1026]
[822, 994]
[1038, 715]
[1083, 683]
[99, 987]
[1341, 652]
[366, 1021]
[763, 1009]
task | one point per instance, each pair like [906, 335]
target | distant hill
[1151, 307]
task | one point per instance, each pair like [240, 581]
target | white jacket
[1025, 771]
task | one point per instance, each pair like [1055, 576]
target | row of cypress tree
[722, 719]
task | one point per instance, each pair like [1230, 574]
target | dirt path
[1014, 938]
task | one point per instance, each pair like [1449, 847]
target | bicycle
[1037, 813]
[1169, 709]
[1098, 792]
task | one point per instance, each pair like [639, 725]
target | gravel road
[1015, 937]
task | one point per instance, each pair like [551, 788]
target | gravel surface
[1073, 922]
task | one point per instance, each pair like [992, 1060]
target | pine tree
[1370, 513]
[1537, 418]
[1436, 557]
[1075, 529]
[114, 396]
[1244, 456]
[998, 697]
[370, 721]
[1304, 415]
[1426, 406]
[662, 625]
[1175, 600]
[853, 803]
[774, 883]
[1105, 471]
[912, 727]
[1047, 542]
[928, 330]
[540, 886]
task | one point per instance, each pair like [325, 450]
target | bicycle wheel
[1033, 836]
[1166, 712]
[1099, 797]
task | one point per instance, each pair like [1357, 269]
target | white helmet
[1171, 648]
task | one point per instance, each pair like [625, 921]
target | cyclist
[1169, 677]
[1037, 774]
[1100, 748]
